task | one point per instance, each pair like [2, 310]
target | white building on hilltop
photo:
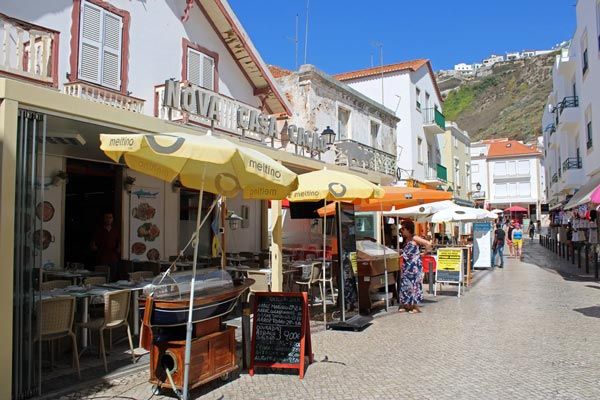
[493, 59]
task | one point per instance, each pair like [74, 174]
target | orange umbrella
[401, 197]
[395, 196]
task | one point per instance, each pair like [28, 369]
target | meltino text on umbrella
[264, 168]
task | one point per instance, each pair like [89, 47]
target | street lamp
[478, 186]
[234, 220]
[329, 136]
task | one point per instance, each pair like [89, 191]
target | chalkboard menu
[281, 331]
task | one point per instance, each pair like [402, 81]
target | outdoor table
[75, 276]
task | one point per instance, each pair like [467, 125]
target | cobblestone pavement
[522, 332]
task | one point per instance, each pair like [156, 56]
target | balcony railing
[434, 116]
[18, 58]
[355, 154]
[550, 128]
[571, 163]
[98, 94]
[437, 172]
[555, 177]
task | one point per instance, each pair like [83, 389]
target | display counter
[373, 261]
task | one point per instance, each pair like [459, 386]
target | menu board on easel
[145, 226]
[281, 331]
[450, 266]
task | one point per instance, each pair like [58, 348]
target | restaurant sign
[206, 104]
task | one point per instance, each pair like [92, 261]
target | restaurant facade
[73, 70]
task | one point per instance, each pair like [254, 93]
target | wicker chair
[95, 280]
[56, 284]
[116, 310]
[56, 321]
[140, 276]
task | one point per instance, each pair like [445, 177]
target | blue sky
[342, 34]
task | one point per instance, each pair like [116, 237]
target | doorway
[91, 191]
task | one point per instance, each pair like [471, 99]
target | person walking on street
[411, 284]
[531, 231]
[517, 240]
[498, 246]
[509, 241]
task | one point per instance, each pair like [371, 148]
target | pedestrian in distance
[411, 284]
[509, 242]
[531, 231]
[498, 246]
[517, 240]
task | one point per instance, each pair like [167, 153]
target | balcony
[572, 174]
[550, 128]
[555, 177]
[357, 155]
[436, 172]
[565, 63]
[434, 121]
[17, 58]
[566, 113]
[99, 94]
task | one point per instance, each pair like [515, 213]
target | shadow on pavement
[593, 287]
[593, 311]
[567, 276]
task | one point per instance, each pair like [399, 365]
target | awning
[583, 195]
[558, 205]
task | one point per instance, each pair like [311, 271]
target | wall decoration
[146, 224]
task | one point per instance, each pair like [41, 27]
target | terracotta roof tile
[511, 148]
[411, 65]
[278, 72]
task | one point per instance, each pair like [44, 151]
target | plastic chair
[95, 280]
[116, 310]
[327, 278]
[313, 278]
[56, 321]
[56, 284]
[427, 262]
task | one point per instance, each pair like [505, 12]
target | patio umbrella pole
[387, 300]
[323, 265]
[190, 327]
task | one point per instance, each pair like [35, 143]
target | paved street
[522, 332]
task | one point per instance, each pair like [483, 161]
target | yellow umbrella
[331, 185]
[328, 185]
[204, 163]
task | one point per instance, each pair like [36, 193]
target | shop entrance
[91, 191]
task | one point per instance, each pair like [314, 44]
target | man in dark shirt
[498, 245]
[107, 244]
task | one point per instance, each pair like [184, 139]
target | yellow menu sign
[449, 259]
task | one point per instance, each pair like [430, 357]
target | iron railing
[571, 163]
[555, 177]
[551, 128]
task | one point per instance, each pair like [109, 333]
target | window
[418, 94]
[200, 69]
[467, 175]
[456, 172]
[500, 168]
[523, 167]
[589, 136]
[455, 141]
[598, 23]
[420, 150]
[512, 168]
[500, 189]
[100, 46]
[427, 97]
[343, 121]
[512, 189]
[585, 61]
[374, 133]
[524, 189]
[584, 55]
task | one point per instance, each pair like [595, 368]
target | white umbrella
[420, 211]
[497, 211]
[459, 214]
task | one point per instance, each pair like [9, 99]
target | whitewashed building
[411, 89]
[493, 59]
[572, 114]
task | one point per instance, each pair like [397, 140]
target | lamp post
[329, 135]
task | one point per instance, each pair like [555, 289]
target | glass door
[30, 240]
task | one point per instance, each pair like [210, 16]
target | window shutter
[194, 61]
[111, 51]
[208, 73]
[90, 43]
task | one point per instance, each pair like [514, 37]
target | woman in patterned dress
[411, 284]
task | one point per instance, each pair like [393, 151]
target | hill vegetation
[507, 102]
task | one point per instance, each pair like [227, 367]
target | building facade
[411, 89]
[456, 154]
[572, 112]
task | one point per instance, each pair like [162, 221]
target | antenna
[372, 65]
[296, 44]
[306, 32]
[380, 46]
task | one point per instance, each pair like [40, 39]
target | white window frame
[343, 135]
[373, 137]
[420, 150]
[102, 47]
